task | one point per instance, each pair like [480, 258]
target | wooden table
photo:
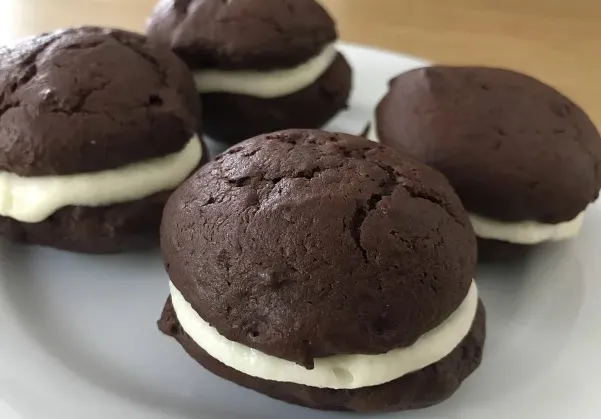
[558, 41]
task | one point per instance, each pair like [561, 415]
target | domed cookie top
[304, 244]
[513, 148]
[89, 99]
[243, 34]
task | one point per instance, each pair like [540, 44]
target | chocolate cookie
[80, 107]
[265, 64]
[306, 245]
[524, 159]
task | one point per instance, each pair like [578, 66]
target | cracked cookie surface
[242, 34]
[513, 148]
[305, 244]
[89, 99]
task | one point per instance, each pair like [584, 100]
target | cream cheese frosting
[372, 133]
[525, 232]
[266, 84]
[338, 371]
[33, 199]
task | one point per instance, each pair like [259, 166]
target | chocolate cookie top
[89, 99]
[242, 34]
[512, 147]
[304, 244]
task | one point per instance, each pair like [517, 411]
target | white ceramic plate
[78, 337]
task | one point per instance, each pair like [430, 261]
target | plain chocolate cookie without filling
[87, 100]
[304, 244]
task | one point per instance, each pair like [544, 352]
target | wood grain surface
[558, 41]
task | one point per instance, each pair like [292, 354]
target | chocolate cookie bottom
[231, 118]
[419, 389]
[112, 229]
[490, 251]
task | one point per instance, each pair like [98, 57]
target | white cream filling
[266, 84]
[339, 371]
[33, 199]
[525, 232]
[372, 134]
